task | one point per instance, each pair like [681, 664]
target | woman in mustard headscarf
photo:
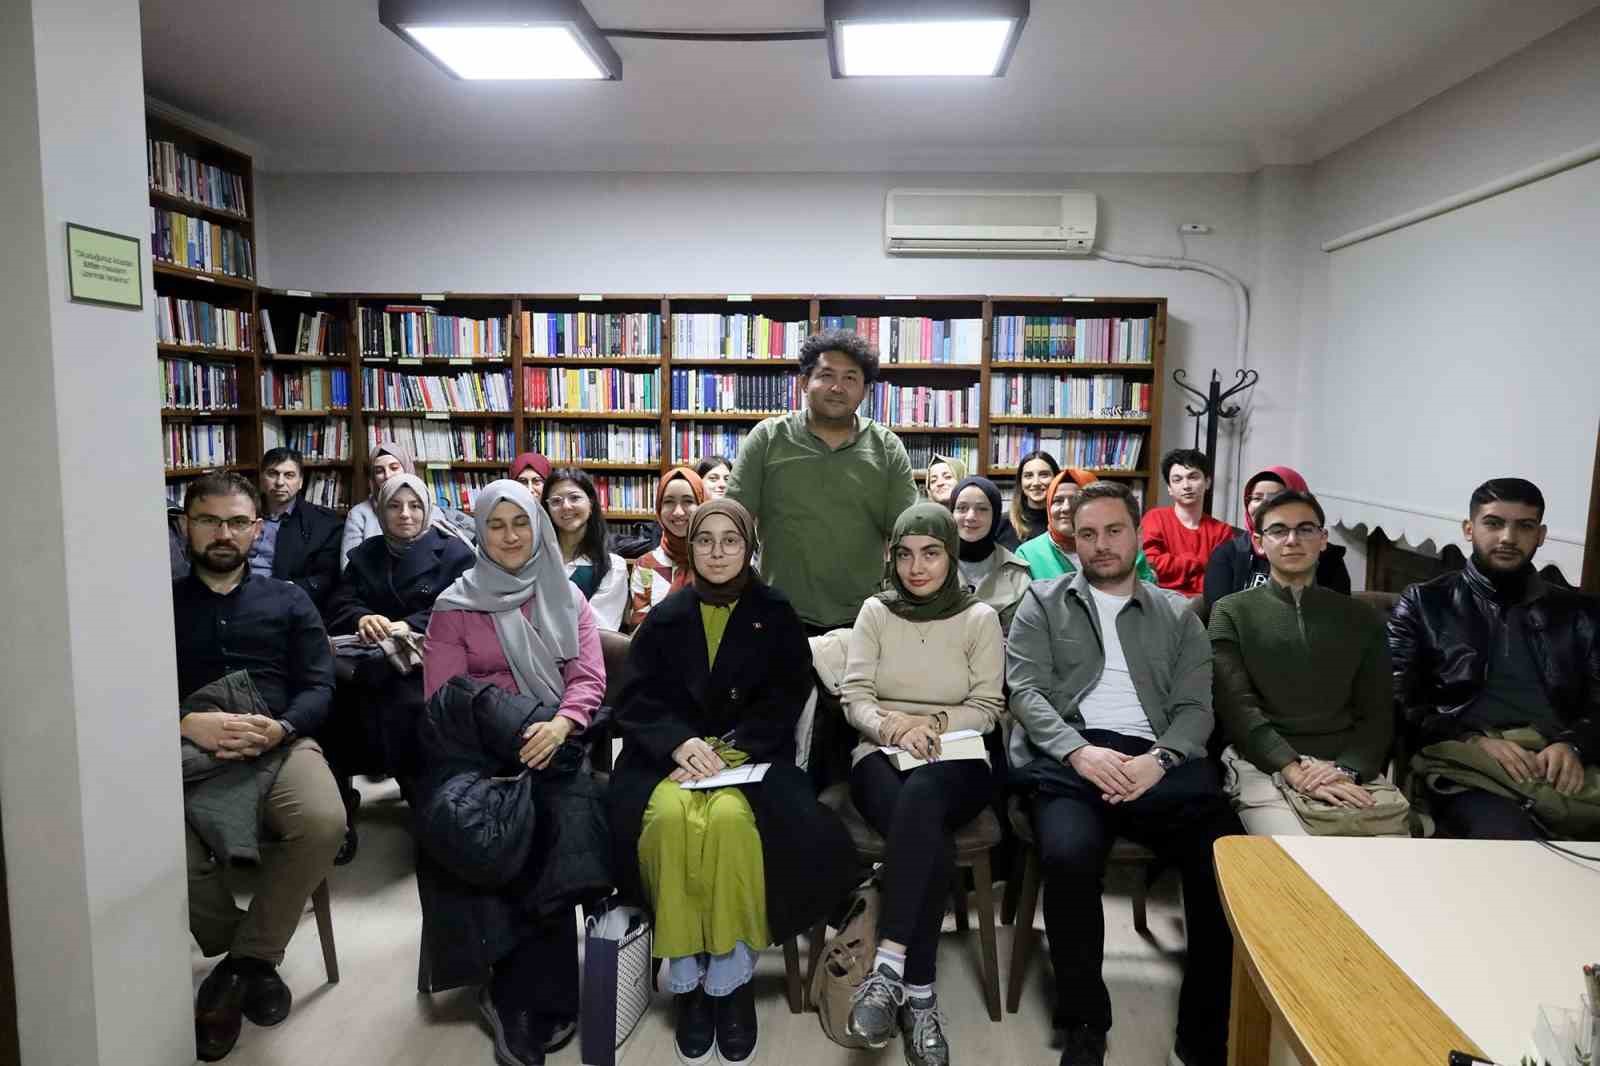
[665, 569]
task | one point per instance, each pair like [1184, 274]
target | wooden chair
[973, 842]
[322, 908]
[1123, 853]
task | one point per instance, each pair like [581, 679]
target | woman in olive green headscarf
[925, 659]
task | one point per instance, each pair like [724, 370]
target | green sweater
[1311, 678]
[824, 514]
[1046, 559]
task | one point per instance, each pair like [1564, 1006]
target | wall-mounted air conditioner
[1021, 222]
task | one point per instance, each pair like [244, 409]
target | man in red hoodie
[1237, 565]
[1179, 540]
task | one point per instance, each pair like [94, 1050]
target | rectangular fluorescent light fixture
[922, 38]
[505, 40]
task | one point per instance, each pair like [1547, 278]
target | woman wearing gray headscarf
[388, 459]
[516, 621]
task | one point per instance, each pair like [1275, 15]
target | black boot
[518, 1040]
[736, 1025]
[697, 1028]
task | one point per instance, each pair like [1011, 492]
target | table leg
[1249, 1023]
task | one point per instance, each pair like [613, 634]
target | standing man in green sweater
[1302, 680]
[825, 486]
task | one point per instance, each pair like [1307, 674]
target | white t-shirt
[1114, 703]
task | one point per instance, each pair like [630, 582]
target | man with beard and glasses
[1110, 681]
[256, 674]
[1495, 666]
[826, 486]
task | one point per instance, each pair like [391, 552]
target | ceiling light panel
[505, 40]
[922, 38]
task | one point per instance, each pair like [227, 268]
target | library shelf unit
[935, 350]
[205, 318]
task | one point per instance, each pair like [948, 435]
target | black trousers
[1479, 815]
[918, 813]
[541, 972]
[1179, 819]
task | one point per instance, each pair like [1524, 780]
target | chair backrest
[1382, 602]
[614, 646]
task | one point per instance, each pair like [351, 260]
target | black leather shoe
[347, 851]
[559, 1034]
[736, 1024]
[217, 1011]
[266, 998]
[516, 1039]
[1084, 1047]
[697, 1028]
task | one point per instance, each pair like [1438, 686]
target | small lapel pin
[755, 625]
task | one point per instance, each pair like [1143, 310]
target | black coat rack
[1213, 409]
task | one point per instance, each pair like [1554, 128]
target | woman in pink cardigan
[515, 620]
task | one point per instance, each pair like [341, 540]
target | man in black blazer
[299, 541]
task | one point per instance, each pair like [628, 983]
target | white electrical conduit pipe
[1576, 158]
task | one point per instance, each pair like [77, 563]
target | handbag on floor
[617, 972]
[846, 960]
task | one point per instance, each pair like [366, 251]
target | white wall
[744, 233]
[88, 745]
[1538, 103]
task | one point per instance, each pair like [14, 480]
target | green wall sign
[104, 268]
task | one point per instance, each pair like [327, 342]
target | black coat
[307, 551]
[400, 589]
[466, 822]
[1234, 567]
[757, 690]
[1441, 635]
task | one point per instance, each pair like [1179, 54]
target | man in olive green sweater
[1301, 677]
[825, 485]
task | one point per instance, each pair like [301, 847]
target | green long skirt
[700, 859]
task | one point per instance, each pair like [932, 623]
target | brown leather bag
[846, 960]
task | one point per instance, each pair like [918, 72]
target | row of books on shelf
[1064, 396]
[594, 442]
[716, 336]
[176, 173]
[921, 405]
[591, 334]
[388, 390]
[402, 331]
[916, 340]
[629, 492]
[456, 488]
[709, 390]
[1098, 449]
[445, 442]
[197, 244]
[202, 324]
[188, 385]
[922, 447]
[304, 389]
[692, 441]
[191, 444]
[326, 489]
[590, 389]
[327, 441]
[315, 333]
[1056, 338]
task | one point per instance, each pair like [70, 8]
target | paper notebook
[954, 745]
[749, 774]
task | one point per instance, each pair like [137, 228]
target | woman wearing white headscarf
[388, 589]
[516, 621]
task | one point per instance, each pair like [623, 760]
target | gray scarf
[539, 643]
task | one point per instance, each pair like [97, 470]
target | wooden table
[1353, 952]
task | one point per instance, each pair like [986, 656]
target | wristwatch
[1169, 759]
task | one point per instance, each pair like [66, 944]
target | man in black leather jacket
[1494, 647]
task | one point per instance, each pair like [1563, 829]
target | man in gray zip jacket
[1110, 682]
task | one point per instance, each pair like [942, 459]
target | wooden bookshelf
[228, 293]
[803, 313]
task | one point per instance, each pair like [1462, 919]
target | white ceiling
[1095, 85]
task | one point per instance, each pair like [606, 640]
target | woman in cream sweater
[926, 658]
